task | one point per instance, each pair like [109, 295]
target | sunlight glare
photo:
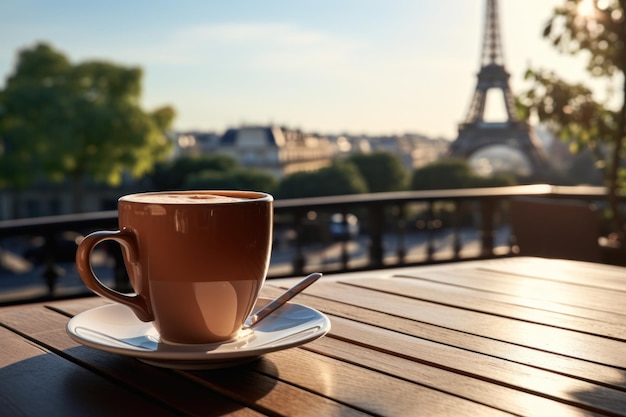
[586, 8]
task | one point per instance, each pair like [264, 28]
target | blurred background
[359, 67]
[306, 100]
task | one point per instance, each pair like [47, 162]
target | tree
[237, 179]
[597, 27]
[452, 174]
[62, 121]
[217, 172]
[382, 171]
[175, 174]
[340, 178]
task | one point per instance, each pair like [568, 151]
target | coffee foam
[182, 198]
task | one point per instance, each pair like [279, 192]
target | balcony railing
[327, 234]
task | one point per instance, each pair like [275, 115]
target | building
[194, 143]
[413, 150]
[277, 150]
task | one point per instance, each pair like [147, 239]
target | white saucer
[114, 328]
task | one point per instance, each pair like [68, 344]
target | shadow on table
[50, 385]
[606, 397]
[242, 383]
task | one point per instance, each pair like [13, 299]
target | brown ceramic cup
[196, 260]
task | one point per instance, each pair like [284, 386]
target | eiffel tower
[476, 134]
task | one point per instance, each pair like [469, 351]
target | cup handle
[137, 302]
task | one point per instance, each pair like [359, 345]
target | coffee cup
[196, 260]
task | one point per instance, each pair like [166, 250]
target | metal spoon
[282, 299]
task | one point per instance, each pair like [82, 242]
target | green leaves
[340, 178]
[236, 179]
[176, 174]
[570, 110]
[452, 174]
[382, 171]
[599, 33]
[67, 121]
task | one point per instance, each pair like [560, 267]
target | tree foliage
[382, 171]
[570, 111]
[452, 174]
[237, 179]
[175, 174]
[64, 121]
[217, 172]
[594, 26]
[341, 178]
[598, 28]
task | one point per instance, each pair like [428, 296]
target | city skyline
[359, 67]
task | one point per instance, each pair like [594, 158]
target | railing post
[344, 239]
[430, 227]
[299, 260]
[456, 227]
[51, 272]
[376, 223]
[487, 209]
[401, 224]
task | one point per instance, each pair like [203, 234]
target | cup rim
[248, 196]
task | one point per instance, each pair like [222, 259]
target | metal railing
[328, 234]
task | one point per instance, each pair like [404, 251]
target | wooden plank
[15, 349]
[71, 308]
[34, 382]
[503, 361]
[298, 397]
[537, 336]
[269, 394]
[565, 365]
[169, 388]
[510, 307]
[368, 389]
[566, 297]
[513, 292]
[462, 386]
[586, 274]
[594, 397]
[235, 385]
[214, 387]
[215, 380]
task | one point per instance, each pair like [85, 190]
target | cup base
[240, 335]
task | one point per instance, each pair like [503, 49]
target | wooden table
[521, 336]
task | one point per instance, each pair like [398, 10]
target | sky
[377, 67]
